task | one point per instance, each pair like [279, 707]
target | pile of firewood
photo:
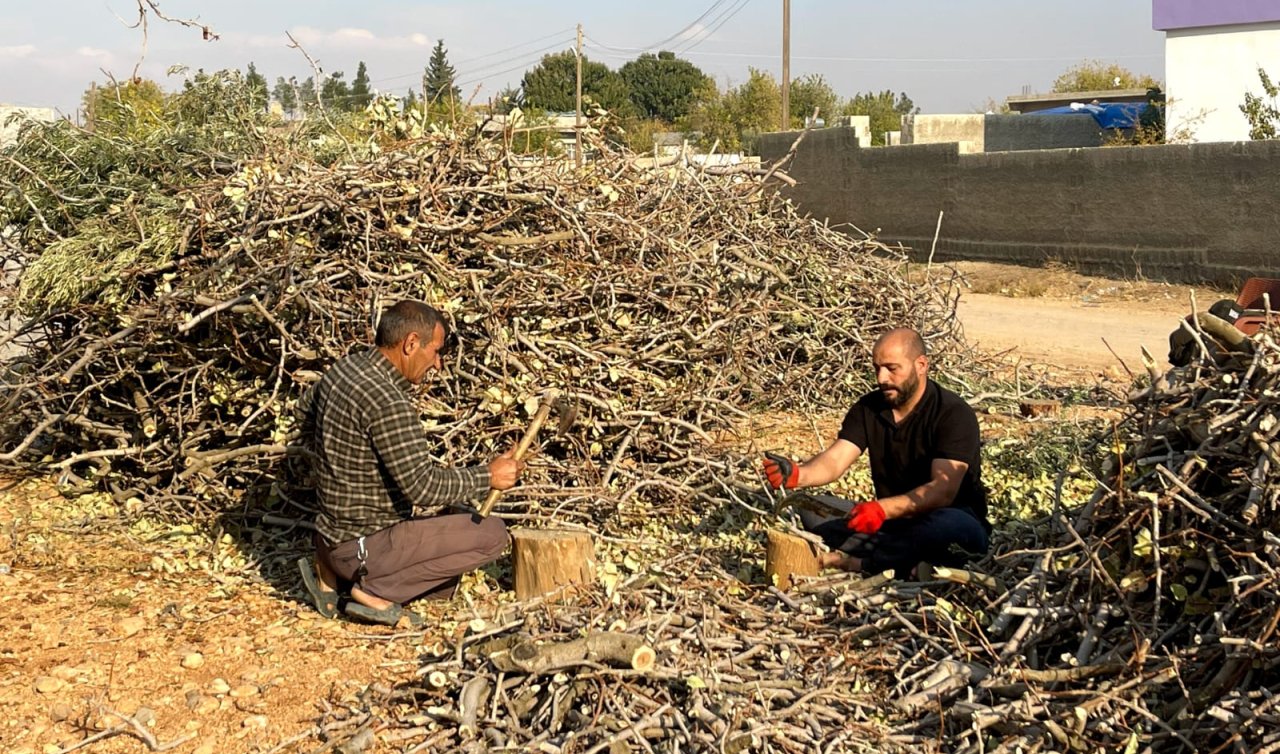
[167, 338]
[1145, 621]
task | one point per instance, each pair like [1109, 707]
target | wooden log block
[787, 555]
[522, 654]
[1032, 407]
[547, 560]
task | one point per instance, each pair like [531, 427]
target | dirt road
[1067, 334]
[1066, 321]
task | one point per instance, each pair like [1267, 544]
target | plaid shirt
[370, 463]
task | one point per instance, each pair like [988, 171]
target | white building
[1212, 52]
[9, 125]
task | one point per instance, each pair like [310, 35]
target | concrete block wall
[1189, 212]
[968, 130]
[1010, 133]
[861, 124]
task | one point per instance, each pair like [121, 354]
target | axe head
[566, 409]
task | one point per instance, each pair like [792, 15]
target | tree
[286, 93]
[884, 109]
[334, 92]
[1095, 75]
[1262, 114]
[1151, 120]
[360, 95]
[507, 100]
[757, 103]
[663, 86]
[737, 117]
[307, 93]
[550, 85]
[809, 93]
[124, 109]
[410, 100]
[441, 80]
[257, 87]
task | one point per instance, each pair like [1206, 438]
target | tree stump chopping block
[788, 555]
[547, 560]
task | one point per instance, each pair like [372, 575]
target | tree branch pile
[169, 332]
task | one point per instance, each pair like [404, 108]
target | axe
[566, 410]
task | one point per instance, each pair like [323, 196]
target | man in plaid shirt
[383, 522]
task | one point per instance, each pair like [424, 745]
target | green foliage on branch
[1261, 110]
[58, 176]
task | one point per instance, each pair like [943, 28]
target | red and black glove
[866, 518]
[781, 471]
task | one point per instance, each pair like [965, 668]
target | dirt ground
[1081, 327]
[143, 636]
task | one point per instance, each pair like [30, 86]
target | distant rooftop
[1033, 102]
[1169, 15]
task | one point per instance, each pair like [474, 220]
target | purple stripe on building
[1187, 14]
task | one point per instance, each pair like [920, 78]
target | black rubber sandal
[325, 601]
[387, 616]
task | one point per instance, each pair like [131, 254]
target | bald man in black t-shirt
[923, 445]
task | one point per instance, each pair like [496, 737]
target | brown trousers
[418, 557]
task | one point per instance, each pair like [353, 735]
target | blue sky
[947, 55]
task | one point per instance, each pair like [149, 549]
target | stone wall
[1194, 212]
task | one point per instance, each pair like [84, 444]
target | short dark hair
[407, 317]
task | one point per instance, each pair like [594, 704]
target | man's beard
[901, 394]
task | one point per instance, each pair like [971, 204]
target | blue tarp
[1111, 115]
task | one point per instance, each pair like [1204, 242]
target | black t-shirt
[942, 426]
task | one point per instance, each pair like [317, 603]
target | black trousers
[944, 536]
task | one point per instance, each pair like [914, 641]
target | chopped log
[548, 560]
[788, 555]
[521, 654]
[1030, 407]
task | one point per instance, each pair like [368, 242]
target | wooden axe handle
[523, 447]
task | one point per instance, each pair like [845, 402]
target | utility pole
[577, 115]
[90, 115]
[786, 65]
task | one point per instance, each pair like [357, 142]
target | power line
[526, 61]
[678, 34]
[560, 33]
[713, 28]
[825, 58]
[466, 61]
[534, 54]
